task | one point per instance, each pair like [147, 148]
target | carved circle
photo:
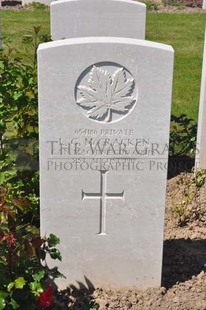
[106, 92]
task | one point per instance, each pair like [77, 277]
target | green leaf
[36, 288]
[54, 272]
[53, 240]
[55, 254]
[38, 276]
[6, 176]
[39, 288]
[14, 304]
[10, 286]
[3, 296]
[36, 293]
[32, 229]
[2, 303]
[17, 95]
[32, 286]
[19, 283]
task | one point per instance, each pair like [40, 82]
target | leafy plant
[188, 189]
[19, 122]
[25, 275]
[18, 129]
[26, 279]
[151, 5]
[176, 3]
[37, 6]
[182, 136]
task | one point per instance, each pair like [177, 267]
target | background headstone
[201, 132]
[91, 18]
[104, 132]
[204, 4]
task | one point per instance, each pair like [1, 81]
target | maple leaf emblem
[106, 94]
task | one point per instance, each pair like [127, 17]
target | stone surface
[104, 130]
[91, 18]
[201, 132]
[204, 4]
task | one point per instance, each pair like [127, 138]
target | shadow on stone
[182, 259]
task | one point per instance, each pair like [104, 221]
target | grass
[185, 32]
[17, 29]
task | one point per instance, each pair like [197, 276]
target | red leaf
[10, 240]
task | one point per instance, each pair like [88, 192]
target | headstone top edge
[111, 40]
[132, 2]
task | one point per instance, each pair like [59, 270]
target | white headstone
[91, 18]
[201, 131]
[204, 4]
[104, 131]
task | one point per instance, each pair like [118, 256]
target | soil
[184, 256]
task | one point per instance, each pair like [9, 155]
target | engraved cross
[103, 196]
